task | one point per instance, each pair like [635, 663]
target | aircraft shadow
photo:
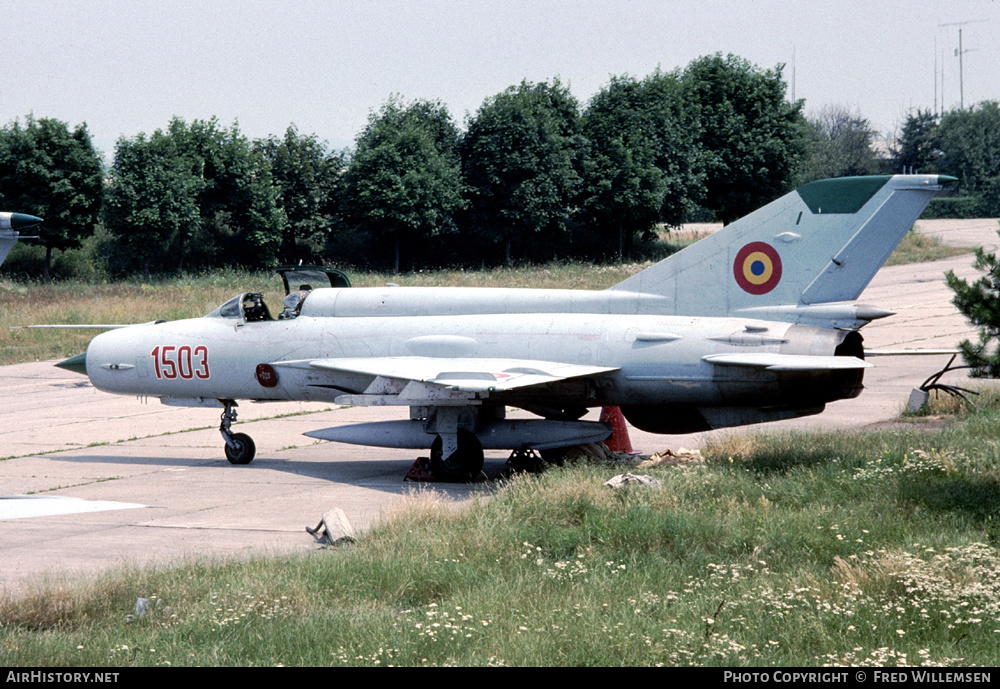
[386, 475]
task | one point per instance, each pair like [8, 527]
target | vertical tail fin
[821, 243]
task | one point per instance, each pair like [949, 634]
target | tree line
[534, 175]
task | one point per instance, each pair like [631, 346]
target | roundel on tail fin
[757, 268]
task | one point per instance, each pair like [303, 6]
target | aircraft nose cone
[76, 364]
[17, 221]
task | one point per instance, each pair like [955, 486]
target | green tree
[970, 142]
[919, 146]
[54, 173]
[157, 182]
[750, 137]
[241, 220]
[839, 144]
[521, 158]
[308, 177]
[403, 183]
[980, 303]
[638, 169]
[152, 202]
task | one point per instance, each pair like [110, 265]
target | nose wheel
[240, 448]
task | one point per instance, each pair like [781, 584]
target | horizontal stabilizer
[788, 362]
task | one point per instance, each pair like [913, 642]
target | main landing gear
[240, 448]
[456, 457]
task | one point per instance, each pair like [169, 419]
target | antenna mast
[959, 53]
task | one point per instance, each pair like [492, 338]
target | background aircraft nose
[17, 221]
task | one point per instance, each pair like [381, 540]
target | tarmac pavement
[91, 481]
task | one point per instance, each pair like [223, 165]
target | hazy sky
[128, 66]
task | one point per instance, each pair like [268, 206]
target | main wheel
[244, 450]
[464, 464]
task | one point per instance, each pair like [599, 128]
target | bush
[955, 207]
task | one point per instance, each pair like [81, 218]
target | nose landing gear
[240, 448]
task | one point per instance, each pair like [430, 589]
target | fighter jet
[754, 323]
[10, 223]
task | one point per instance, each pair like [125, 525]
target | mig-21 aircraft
[753, 323]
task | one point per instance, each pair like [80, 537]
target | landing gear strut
[240, 448]
[464, 462]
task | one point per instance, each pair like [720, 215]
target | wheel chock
[420, 471]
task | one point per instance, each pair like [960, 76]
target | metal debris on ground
[671, 458]
[625, 480]
[599, 452]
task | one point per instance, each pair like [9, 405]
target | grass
[873, 548]
[920, 248]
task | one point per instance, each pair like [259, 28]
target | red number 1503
[181, 362]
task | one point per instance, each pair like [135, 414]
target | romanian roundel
[757, 268]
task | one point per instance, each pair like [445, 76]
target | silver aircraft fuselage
[651, 358]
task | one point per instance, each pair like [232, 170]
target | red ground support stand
[618, 441]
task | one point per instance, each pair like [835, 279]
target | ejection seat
[305, 279]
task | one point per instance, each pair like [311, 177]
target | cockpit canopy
[297, 278]
[299, 282]
[248, 307]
